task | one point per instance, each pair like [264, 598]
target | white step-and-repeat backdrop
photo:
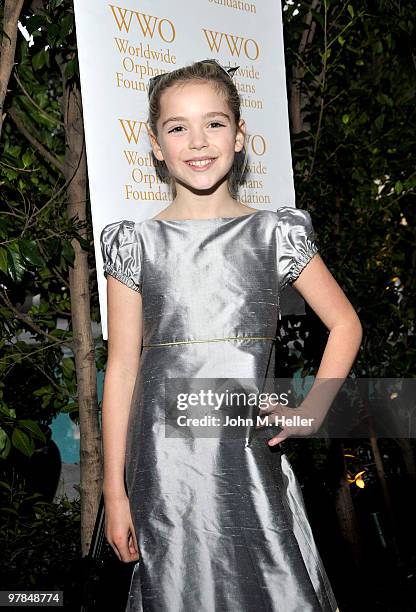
[122, 45]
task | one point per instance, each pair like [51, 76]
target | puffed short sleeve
[120, 248]
[296, 243]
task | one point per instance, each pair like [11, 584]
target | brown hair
[199, 71]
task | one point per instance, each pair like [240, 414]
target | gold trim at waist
[210, 340]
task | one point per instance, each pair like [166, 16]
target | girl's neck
[189, 205]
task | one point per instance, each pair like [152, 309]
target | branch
[24, 355]
[39, 108]
[30, 323]
[54, 384]
[64, 186]
[58, 274]
[35, 143]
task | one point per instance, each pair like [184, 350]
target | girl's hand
[119, 529]
[269, 413]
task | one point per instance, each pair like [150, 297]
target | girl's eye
[179, 127]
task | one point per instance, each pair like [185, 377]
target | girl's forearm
[341, 350]
[339, 355]
[117, 396]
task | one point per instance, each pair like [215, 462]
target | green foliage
[34, 553]
[36, 235]
[354, 167]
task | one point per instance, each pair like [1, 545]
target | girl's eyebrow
[213, 114]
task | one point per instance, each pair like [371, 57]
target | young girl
[215, 523]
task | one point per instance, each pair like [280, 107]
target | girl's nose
[198, 139]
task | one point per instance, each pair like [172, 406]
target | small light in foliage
[357, 479]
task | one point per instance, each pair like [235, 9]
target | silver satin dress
[220, 522]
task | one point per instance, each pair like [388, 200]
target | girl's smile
[201, 164]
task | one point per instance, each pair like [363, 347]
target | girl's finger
[132, 543]
[265, 408]
[277, 439]
[114, 547]
[296, 432]
[133, 546]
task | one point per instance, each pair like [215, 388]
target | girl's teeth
[203, 162]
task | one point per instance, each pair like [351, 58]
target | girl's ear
[155, 146]
[240, 136]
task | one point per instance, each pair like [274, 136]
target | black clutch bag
[105, 579]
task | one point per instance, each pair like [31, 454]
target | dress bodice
[207, 279]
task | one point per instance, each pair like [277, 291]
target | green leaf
[22, 442]
[15, 264]
[68, 252]
[6, 449]
[66, 26]
[4, 228]
[68, 367]
[84, 243]
[3, 440]
[351, 10]
[9, 511]
[3, 260]
[27, 159]
[5, 410]
[379, 122]
[54, 31]
[326, 54]
[29, 250]
[378, 47]
[33, 23]
[398, 187]
[39, 59]
[54, 245]
[384, 99]
[33, 427]
[71, 69]
[42, 391]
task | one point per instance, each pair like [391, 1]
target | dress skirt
[220, 521]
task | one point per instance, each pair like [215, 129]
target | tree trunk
[12, 10]
[297, 99]
[344, 507]
[381, 475]
[408, 458]
[83, 341]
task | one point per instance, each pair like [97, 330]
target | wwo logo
[148, 25]
[236, 45]
[133, 130]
